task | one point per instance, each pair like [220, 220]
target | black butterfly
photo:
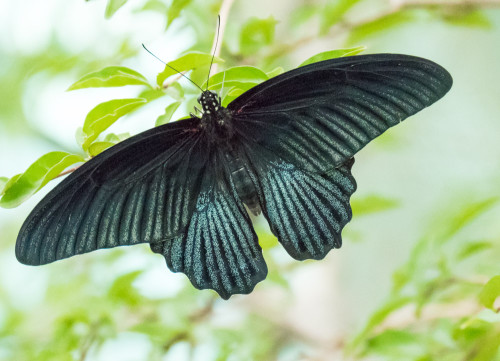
[285, 147]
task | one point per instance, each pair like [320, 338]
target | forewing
[320, 115]
[143, 189]
[219, 249]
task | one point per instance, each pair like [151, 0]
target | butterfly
[284, 148]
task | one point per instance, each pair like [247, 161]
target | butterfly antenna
[215, 49]
[177, 71]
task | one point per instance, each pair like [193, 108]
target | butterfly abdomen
[242, 182]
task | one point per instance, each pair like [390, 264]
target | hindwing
[219, 248]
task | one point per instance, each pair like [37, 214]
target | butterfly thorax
[217, 126]
[216, 120]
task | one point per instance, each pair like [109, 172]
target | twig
[67, 171]
[204, 312]
[181, 336]
[407, 316]
[89, 340]
[224, 14]
[173, 80]
[400, 5]
[449, 3]
[394, 6]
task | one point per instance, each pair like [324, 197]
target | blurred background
[415, 278]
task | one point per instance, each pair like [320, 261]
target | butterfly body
[240, 175]
[216, 121]
[216, 126]
[284, 148]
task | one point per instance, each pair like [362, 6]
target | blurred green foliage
[20, 187]
[438, 295]
[444, 299]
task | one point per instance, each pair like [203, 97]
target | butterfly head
[216, 120]
[210, 102]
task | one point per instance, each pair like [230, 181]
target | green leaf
[267, 240]
[122, 290]
[490, 292]
[395, 303]
[113, 6]
[473, 248]
[112, 76]
[481, 338]
[104, 115]
[235, 92]
[3, 183]
[36, 176]
[462, 218]
[79, 136]
[116, 138]
[381, 24]
[199, 75]
[238, 76]
[151, 94]
[230, 95]
[175, 91]
[276, 71]
[333, 13]
[397, 343]
[302, 14]
[189, 61]
[109, 140]
[472, 19]
[10, 182]
[175, 9]
[372, 204]
[332, 54]
[471, 330]
[255, 34]
[158, 332]
[98, 147]
[487, 348]
[155, 5]
[169, 112]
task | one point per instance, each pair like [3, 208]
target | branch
[407, 316]
[447, 3]
[401, 5]
[394, 6]
[88, 341]
[224, 14]
[203, 312]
